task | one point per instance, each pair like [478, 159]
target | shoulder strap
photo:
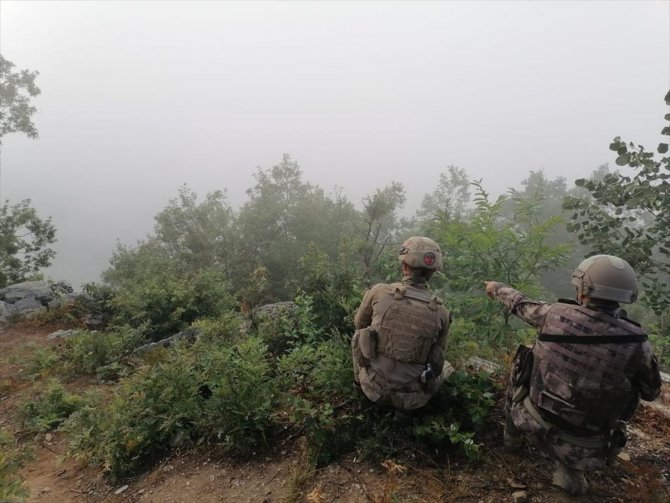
[593, 339]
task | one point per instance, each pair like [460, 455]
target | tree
[450, 198]
[629, 216]
[197, 235]
[283, 216]
[489, 245]
[24, 237]
[24, 242]
[380, 223]
[16, 90]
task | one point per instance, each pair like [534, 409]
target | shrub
[226, 328]
[238, 414]
[41, 360]
[149, 410]
[100, 353]
[11, 458]
[220, 394]
[50, 408]
[319, 397]
[459, 410]
[165, 304]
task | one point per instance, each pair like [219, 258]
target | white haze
[141, 97]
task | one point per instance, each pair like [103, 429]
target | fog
[139, 98]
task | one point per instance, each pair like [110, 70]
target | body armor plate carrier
[410, 324]
[585, 387]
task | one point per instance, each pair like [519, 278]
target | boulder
[32, 297]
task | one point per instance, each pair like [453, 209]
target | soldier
[584, 376]
[398, 347]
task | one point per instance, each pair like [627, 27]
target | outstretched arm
[531, 311]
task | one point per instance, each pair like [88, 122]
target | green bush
[238, 414]
[333, 286]
[148, 411]
[38, 362]
[50, 408]
[165, 304]
[100, 353]
[319, 397]
[226, 328]
[205, 393]
[11, 458]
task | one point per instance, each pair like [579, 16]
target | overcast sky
[141, 97]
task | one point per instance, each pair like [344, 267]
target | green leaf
[662, 148]
[580, 182]
[623, 160]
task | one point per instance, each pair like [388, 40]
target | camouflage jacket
[584, 388]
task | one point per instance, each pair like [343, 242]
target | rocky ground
[642, 472]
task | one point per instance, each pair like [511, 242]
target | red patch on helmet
[429, 259]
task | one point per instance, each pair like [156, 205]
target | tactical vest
[409, 324]
[585, 384]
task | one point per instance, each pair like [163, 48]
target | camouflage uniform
[393, 374]
[578, 394]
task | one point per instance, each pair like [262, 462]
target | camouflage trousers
[520, 422]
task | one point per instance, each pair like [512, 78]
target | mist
[139, 98]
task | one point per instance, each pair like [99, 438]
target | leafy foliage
[11, 458]
[16, 90]
[50, 408]
[487, 246]
[165, 304]
[450, 199]
[283, 216]
[381, 224]
[25, 241]
[100, 353]
[628, 215]
[211, 393]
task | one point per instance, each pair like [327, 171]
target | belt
[591, 442]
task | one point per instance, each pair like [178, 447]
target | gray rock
[28, 305]
[479, 364]
[29, 289]
[188, 335]
[61, 334]
[32, 297]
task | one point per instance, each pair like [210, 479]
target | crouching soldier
[398, 347]
[584, 376]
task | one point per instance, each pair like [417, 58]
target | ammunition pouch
[367, 342]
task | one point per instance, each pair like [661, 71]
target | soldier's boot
[572, 481]
[512, 440]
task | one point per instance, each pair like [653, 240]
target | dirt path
[642, 472]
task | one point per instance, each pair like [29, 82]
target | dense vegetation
[254, 374]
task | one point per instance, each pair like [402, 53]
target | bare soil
[642, 472]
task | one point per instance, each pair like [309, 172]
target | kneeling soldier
[585, 374]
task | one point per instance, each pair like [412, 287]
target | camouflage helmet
[421, 253]
[606, 277]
